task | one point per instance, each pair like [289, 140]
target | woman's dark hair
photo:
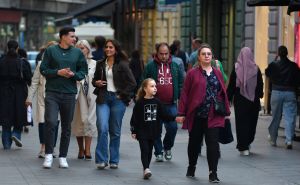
[22, 53]
[12, 47]
[100, 41]
[120, 54]
[282, 51]
[135, 54]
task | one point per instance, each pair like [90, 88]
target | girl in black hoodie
[146, 121]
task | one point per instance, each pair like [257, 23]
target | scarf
[246, 72]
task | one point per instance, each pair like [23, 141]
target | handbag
[225, 133]
[220, 107]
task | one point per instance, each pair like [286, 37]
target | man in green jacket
[62, 66]
[169, 79]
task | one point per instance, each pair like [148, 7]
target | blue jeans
[109, 121]
[63, 104]
[283, 101]
[171, 130]
[7, 134]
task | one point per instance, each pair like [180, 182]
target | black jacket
[284, 74]
[123, 80]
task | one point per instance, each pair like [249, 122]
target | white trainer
[48, 161]
[63, 162]
[147, 173]
[245, 152]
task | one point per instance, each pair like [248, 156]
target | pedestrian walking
[114, 84]
[98, 54]
[62, 65]
[284, 75]
[199, 110]
[84, 121]
[146, 121]
[193, 60]
[37, 89]
[15, 75]
[169, 79]
[245, 90]
[137, 67]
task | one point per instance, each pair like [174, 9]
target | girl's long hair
[141, 92]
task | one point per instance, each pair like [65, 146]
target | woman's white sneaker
[147, 173]
[63, 162]
[48, 161]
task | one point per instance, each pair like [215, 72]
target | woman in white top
[84, 121]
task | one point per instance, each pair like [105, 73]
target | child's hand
[133, 136]
[180, 119]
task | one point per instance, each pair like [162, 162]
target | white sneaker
[63, 162]
[48, 161]
[245, 152]
[147, 173]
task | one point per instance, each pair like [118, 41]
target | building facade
[31, 22]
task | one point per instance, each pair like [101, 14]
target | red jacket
[193, 94]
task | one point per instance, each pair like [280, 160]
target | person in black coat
[137, 67]
[15, 75]
[245, 90]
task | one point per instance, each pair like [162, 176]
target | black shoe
[213, 177]
[191, 171]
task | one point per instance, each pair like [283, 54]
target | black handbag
[225, 133]
[220, 107]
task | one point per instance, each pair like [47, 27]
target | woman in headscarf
[245, 89]
[15, 75]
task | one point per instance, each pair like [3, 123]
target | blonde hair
[141, 92]
[86, 44]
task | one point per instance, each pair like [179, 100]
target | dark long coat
[15, 75]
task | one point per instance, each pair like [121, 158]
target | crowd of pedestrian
[86, 92]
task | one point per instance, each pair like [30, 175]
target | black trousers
[199, 130]
[146, 147]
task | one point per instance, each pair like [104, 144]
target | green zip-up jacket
[56, 58]
[151, 71]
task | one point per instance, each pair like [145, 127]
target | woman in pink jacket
[202, 87]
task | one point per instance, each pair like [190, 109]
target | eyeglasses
[206, 53]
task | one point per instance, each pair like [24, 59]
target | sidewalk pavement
[265, 166]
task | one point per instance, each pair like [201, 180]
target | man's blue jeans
[7, 133]
[283, 101]
[109, 121]
[63, 104]
[171, 130]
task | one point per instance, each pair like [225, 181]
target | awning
[10, 16]
[268, 2]
[293, 5]
[175, 1]
[85, 9]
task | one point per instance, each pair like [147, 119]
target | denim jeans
[283, 101]
[42, 133]
[7, 133]
[63, 104]
[109, 121]
[171, 130]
